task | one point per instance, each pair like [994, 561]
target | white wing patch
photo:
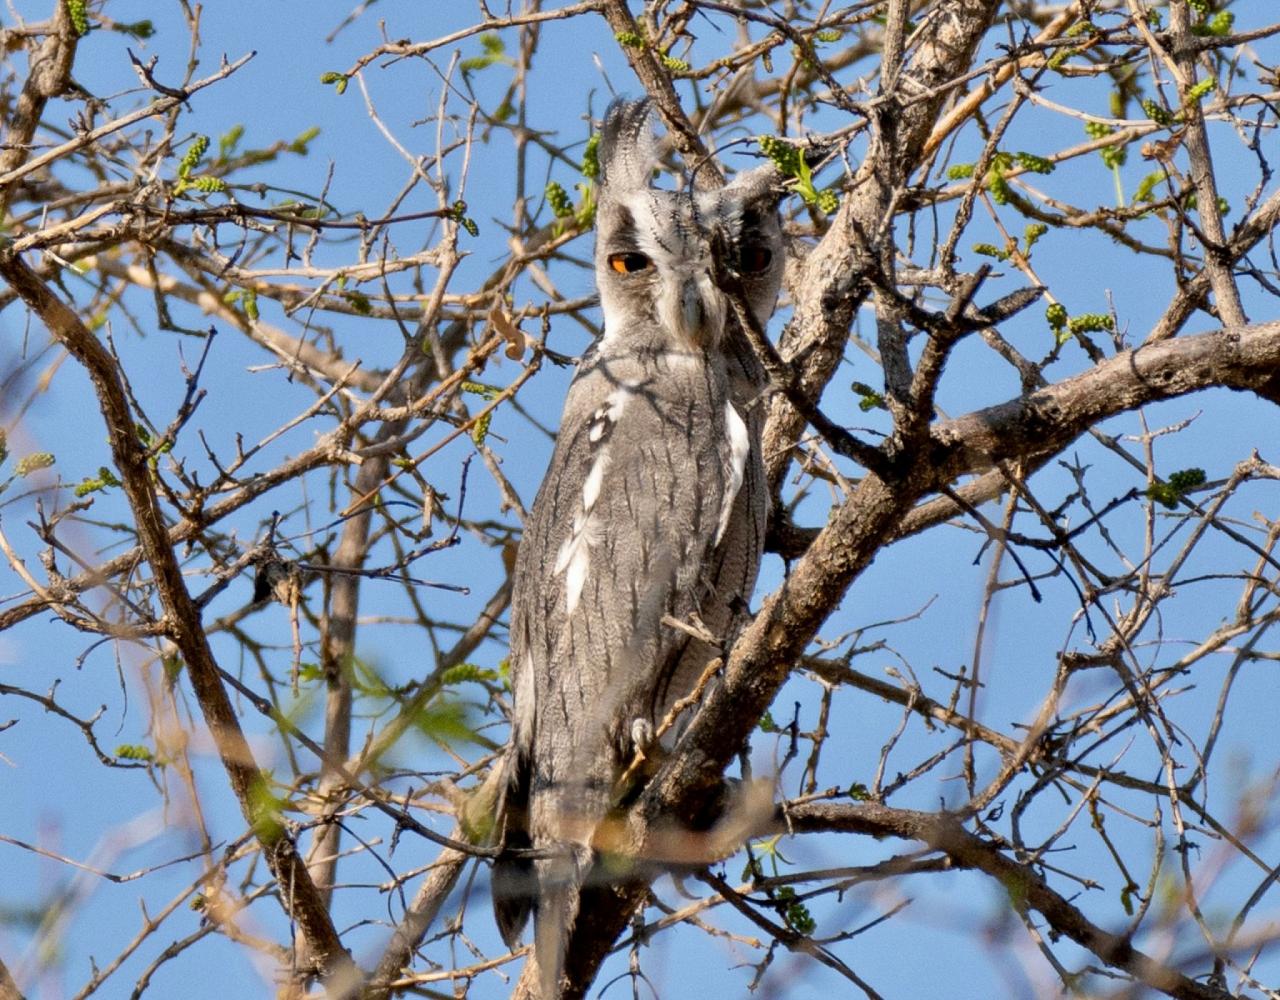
[739, 447]
[526, 705]
[574, 557]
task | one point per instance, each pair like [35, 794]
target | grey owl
[654, 507]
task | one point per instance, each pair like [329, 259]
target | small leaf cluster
[1146, 187]
[1001, 163]
[460, 216]
[1175, 487]
[265, 811]
[791, 163]
[1083, 27]
[1156, 113]
[495, 51]
[868, 398]
[1217, 25]
[488, 393]
[34, 462]
[78, 11]
[248, 299]
[1224, 206]
[103, 481]
[559, 200]
[1197, 92]
[795, 913]
[1065, 326]
[191, 159]
[359, 302]
[1113, 156]
[1031, 235]
[338, 81]
[464, 672]
[591, 157]
[636, 40]
[141, 30]
[562, 206]
[134, 751]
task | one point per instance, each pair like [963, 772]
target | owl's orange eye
[629, 263]
[755, 259]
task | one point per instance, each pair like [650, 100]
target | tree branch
[298, 893]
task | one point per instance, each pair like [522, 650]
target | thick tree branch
[1242, 358]
[49, 76]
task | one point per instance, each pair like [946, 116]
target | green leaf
[1155, 112]
[1196, 93]
[591, 157]
[229, 140]
[359, 302]
[34, 462]
[1034, 164]
[141, 30]
[103, 481]
[494, 52]
[459, 210]
[1186, 480]
[78, 11]
[194, 154]
[1175, 486]
[133, 751]
[465, 672]
[337, 80]
[303, 140]
[559, 200]
[868, 398]
[990, 250]
[445, 720]
[266, 810]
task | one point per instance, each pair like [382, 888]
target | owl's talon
[642, 735]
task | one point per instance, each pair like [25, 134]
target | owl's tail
[560, 881]
[548, 887]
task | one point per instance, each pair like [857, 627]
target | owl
[643, 544]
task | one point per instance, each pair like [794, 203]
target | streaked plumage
[654, 505]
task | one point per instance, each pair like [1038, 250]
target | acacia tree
[962, 172]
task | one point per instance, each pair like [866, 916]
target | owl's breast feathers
[652, 457]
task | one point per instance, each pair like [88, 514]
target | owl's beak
[692, 316]
[699, 312]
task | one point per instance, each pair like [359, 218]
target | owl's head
[653, 247]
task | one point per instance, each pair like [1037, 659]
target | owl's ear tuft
[628, 147]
